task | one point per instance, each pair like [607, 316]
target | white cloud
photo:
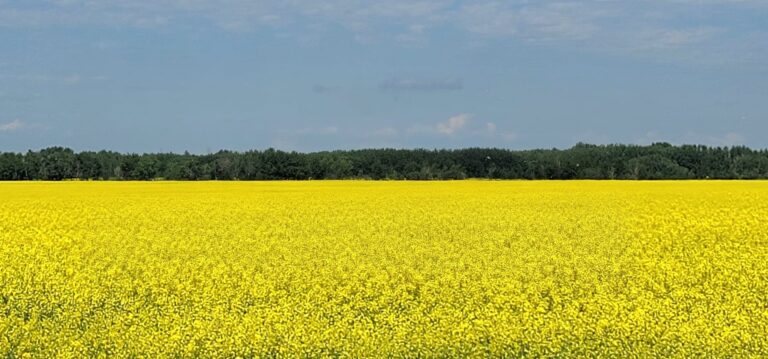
[453, 124]
[12, 126]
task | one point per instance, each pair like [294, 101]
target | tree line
[582, 161]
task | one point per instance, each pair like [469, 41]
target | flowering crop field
[384, 269]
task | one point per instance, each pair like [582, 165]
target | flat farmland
[384, 269]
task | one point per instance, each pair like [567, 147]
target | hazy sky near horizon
[175, 75]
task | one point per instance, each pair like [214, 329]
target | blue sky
[176, 75]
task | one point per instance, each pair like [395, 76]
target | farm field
[384, 269]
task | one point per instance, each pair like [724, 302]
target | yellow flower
[384, 269]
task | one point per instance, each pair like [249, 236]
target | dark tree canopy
[583, 161]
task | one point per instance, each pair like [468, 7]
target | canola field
[384, 269]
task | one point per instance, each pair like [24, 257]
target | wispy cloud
[321, 131]
[727, 139]
[11, 97]
[232, 15]
[662, 38]
[12, 126]
[655, 26]
[67, 79]
[453, 124]
[320, 89]
[462, 126]
[421, 85]
[646, 139]
[415, 35]
[383, 132]
[492, 130]
[533, 21]
[491, 127]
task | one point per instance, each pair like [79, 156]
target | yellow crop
[370, 269]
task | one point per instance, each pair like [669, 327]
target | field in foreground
[361, 269]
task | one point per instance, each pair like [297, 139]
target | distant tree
[12, 167]
[750, 166]
[582, 161]
[145, 169]
[656, 167]
[53, 163]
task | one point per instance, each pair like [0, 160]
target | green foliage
[583, 161]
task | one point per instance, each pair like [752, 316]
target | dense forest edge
[582, 161]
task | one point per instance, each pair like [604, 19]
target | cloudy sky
[197, 75]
